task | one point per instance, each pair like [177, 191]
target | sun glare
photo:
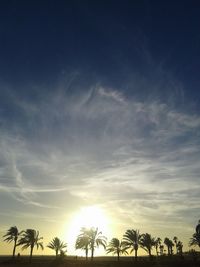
[92, 216]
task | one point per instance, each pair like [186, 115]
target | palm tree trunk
[92, 253]
[118, 255]
[168, 249]
[136, 255]
[86, 254]
[56, 253]
[14, 248]
[176, 247]
[181, 252]
[31, 254]
[171, 250]
[150, 254]
[157, 250]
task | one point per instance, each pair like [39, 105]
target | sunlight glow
[92, 216]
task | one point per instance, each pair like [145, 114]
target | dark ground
[49, 261]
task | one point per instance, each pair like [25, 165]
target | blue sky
[99, 105]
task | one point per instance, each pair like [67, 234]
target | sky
[99, 117]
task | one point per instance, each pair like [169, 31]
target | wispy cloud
[99, 146]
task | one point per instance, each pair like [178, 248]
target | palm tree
[83, 241]
[169, 243]
[30, 238]
[57, 245]
[176, 242]
[195, 240]
[198, 228]
[96, 240]
[180, 248]
[147, 243]
[157, 244]
[89, 239]
[116, 247]
[12, 235]
[161, 247]
[131, 240]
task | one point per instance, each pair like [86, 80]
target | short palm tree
[180, 248]
[12, 235]
[157, 244]
[169, 243]
[131, 239]
[161, 247]
[176, 242]
[30, 238]
[147, 243]
[116, 247]
[57, 245]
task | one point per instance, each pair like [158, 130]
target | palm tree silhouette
[147, 243]
[89, 239]
[30, 238]
[180, 248]
[161, 247]
[131, 240]
[57, 245]
[116, 247]
[195, 240]
[198, 228]
[83, 240]
[157, 244]
[169, 243]
[176, 242]
[96, 240]
[12, 235]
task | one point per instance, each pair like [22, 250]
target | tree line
[90, 238]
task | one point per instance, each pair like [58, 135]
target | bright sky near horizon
[99, 117]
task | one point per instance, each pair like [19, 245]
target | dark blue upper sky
[105, 40]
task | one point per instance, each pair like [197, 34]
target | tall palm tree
[96, 240]
[147, 243]
[57, 245]
[116, 247]
[195, 240]
[131, 240]
[169, 243]
[157, 244]
[12, 235]
[30, 238]
[83, 240]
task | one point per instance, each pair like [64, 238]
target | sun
[91, 216]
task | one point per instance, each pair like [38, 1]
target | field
[49, 261]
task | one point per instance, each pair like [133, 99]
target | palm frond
[12, 234]
[30, 238]
[116, 247]
[195, 240]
